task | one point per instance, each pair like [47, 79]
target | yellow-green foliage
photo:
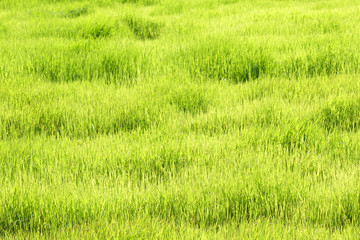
[160, 119]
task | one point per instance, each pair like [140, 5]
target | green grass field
[187, 119]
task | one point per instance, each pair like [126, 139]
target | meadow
[161, 119]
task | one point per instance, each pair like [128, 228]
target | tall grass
[154, 119]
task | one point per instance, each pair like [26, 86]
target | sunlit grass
[196, 119]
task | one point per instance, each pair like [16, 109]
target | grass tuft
[343, 114]
[298, 134]
[97, 31]
[121, 65]
[74, 13]
[83, 61]
[190, 99]
[226, 60]
[144, 2]
[144, 28]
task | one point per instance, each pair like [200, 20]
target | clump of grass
[133, 118]
[226, 60]
[17, 214]
[227, 2]
[144, 28]
[44, 121]
[76, 29]
[294, 136]
[60, 66]
[97, 30]
[23, 211]
[81, 47]
[190, 100]
[233, 202]
[3, 29]
[325, 61]
[83, 61]
[10, 124]
[343, 114]
[54, 122]
[144, 2]
[298, 134]
[74, 13]
[119, 65]
[60, 122]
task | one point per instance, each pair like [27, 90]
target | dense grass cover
[159, 119]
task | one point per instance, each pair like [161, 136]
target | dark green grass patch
[75, 28]
[190, 99]
[60, 66]
[97, 31]
[122, 64]
[343, 114]
[46, 121]
[144, 2]
[226, 60]
[342, 149]
[3, 28]
[129, 119]
[83, 61]
[325, 61]
[297, 134]
[62, 121]
[343, 211]
[144, 28]
[74, 13]
[24, 211]
[233, 202]
[65, 123]
[237, 61]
